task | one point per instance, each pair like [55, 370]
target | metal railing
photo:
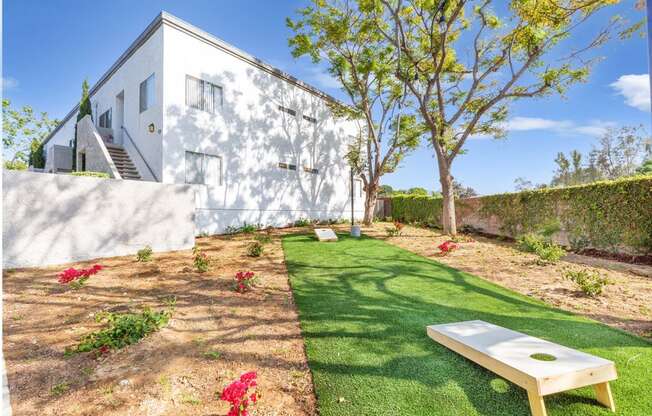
[139, 153]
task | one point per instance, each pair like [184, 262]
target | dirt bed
[168, 372]
[626, 304]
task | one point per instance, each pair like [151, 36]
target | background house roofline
[183, 26]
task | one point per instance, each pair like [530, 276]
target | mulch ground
[625, 304]
[168, 372]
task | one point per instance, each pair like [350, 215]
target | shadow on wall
[78, 218]
[252, 136]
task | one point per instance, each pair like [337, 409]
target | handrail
[139, 153]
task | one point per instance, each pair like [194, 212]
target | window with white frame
[359, 185]
[203, 95]
[203, 169]
[105, 119]
[147, 93]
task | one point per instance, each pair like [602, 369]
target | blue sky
[49, 47]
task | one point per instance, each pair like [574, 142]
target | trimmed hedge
[607, 215]
[417, 208]
[91, 174]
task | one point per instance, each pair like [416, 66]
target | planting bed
[214, 335]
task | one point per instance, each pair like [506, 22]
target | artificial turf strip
[364, 306]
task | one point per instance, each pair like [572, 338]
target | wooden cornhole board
[325, 234]
[507, 353]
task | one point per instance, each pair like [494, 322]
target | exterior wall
[90, 144]
[252, 136]
[91, 218]
[146, 60]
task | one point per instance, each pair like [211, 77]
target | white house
[181, 106]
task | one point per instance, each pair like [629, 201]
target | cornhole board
[325, 234]
[508, 354]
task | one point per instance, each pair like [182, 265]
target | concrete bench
[540, 367]
[325, 234]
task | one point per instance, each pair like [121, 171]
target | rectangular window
[105, 119]
[203, 95]
[147, 93]
[203, 169]
[288, 166]
[310, 170]
[359, 185]
[287, 110]
[310, 119]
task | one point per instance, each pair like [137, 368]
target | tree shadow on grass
[371, 303]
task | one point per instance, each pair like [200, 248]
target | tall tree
[84, 109]
[23, 133]
[343, 34]
[621, 151]
[464, 64]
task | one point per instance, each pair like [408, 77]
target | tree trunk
[448, 220]
[370, 204]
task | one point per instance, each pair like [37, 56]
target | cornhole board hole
[540, 367]
[325, 234]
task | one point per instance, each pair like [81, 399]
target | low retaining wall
[52, 219]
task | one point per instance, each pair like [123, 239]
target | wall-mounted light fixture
[151, 127]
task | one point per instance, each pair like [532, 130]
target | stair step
[123, 163]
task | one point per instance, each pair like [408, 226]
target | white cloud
[7, 83]
[534, 123]
[635, 89]
[322, 78]
[593, 128]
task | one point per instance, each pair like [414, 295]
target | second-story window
[105, 119]
[147, 93]
[203, 95]
[287, 110]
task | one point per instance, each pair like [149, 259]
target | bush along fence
[613, 216]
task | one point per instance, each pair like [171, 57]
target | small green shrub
[302, 222]
[590, 282]
[203, 234]
[59, 389]
[263, 238]
[230, 230]
[144, 254]
[122, 330]
[255, 249]
[249, 228]
[546, 250]
[213, 355]
[201, 260]
[91, 174]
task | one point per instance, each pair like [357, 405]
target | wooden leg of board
[603, 394]
[537, 406]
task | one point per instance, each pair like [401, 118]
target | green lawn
[364, 305]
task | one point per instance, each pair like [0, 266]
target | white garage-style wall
[79, 218]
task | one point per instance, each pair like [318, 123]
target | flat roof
[182, 25]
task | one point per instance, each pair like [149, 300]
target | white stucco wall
[77, 218]
[252, 136]
[145, 61]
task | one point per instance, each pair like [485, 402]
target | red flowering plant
[447, 247]
[244, 281]
[241, 394]
[77, 277]
[396, 231]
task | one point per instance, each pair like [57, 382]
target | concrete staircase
[123, 162]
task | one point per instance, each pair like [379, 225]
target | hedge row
[607, 215]
[417, 208]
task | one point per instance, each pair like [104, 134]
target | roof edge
[166, 18]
